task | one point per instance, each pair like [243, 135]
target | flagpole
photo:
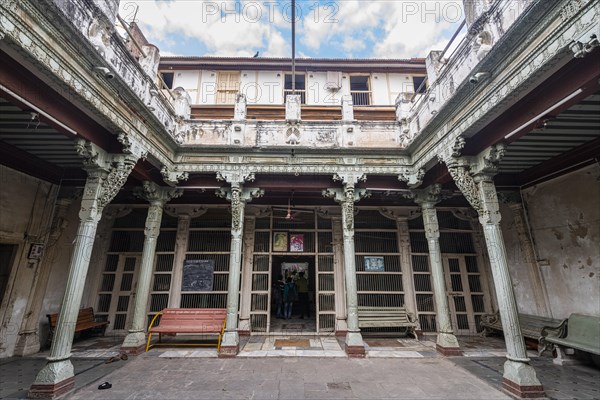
[293, 46]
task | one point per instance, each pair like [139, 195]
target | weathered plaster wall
[26, 207]
[564, 215]
[519, 270]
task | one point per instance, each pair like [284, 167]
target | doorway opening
[291, 266]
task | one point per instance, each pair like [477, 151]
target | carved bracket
[412, 178]
[172, 177]
[155, 194]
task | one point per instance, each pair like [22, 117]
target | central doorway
[290, 266]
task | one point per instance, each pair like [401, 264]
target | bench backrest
[380, 313]
[85, 315]
[584, 329]
[192, 316]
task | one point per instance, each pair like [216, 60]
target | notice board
[198, 275]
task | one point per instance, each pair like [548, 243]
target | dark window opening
[300, 86]
[167, 78]
[360, 91]
[420, 84]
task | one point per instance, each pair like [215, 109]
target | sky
[324, 29]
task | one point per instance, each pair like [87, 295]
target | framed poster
[197, 275]
[296, 242]
[280, 241]
[374, 264]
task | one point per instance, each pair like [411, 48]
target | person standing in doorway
[278, 296]
[289, 295]
[302, 287]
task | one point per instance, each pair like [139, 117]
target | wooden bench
[531, 325]
[385, 317]
[579, 332]
[188, 320]
[86, 321]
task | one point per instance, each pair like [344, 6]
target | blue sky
[327, 29]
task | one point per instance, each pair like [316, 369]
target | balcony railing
[361, 98]
[302, 94]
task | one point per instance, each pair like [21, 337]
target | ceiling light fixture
[543, 113]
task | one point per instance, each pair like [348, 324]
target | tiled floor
[301, 367]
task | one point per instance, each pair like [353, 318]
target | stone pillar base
[229, 351]
[356, 351]
[243, 333]
[524, 392]
[419, 334]
[51, 390]
[28, 343]
[132, 350]
[341, 333]
[449, 351]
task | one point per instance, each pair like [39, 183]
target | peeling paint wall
[26, 206]
[564, 215]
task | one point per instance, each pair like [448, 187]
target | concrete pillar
[446, 342]
[246, 292]
[341, 326]
[355, 346]
[135, 341]
[238, 198]
[106, 176]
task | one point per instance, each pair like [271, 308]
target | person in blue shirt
[289, 296]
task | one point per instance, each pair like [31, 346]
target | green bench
[531, 325]
[387, 317]
[578, 332]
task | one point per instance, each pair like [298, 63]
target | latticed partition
[378, 268]
[325, 302]
[465, 284]
[261, 278]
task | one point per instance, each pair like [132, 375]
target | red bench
[188, 320]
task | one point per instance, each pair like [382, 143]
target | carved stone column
[106, 175]
[29, 338]
[446, 342]
[355, 346]
[238, 198]
[473, 176]
[135, 340]
[246, 295]
[341, 326]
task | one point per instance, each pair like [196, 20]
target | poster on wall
[198, 275]
[291, 269]
[296, 242]
[280, 241]
[374, 264]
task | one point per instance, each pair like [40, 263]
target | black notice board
[197, 275]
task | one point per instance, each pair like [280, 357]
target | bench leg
[148, 342]
[566, 356]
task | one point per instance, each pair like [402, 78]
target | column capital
[107, 174]
[412, 177]
[238, 198]
[235, 178]
[350, 178]
[172, 176]
[156, 195]
[427, 197]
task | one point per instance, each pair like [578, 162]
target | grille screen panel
[261, 241]
[428, 323]
[326, 302]
[260, 282]
[375, 242]
[208, 300]
[135, 219]
[261, 264]
[112, 262]
[260, 302]
[371, 219]
[326, 263]
[425, 302]
[213, 218]
[158, 302]
[127, 241]
[104, 303]
[326, 323]
[381, 300]
[258, 322]
[108, 282]
[164, 262]
[166, 241]
[376, 283]
[119, 323]
[126, 282]
[326, 282]
[209, 241]
[123, 303]
[456, 242]
[422, 283]
[325, 242]
[162, 283]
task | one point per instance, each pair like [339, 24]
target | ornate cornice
[412, 177]
[238, 198]
[172, 176]
[346, 197]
